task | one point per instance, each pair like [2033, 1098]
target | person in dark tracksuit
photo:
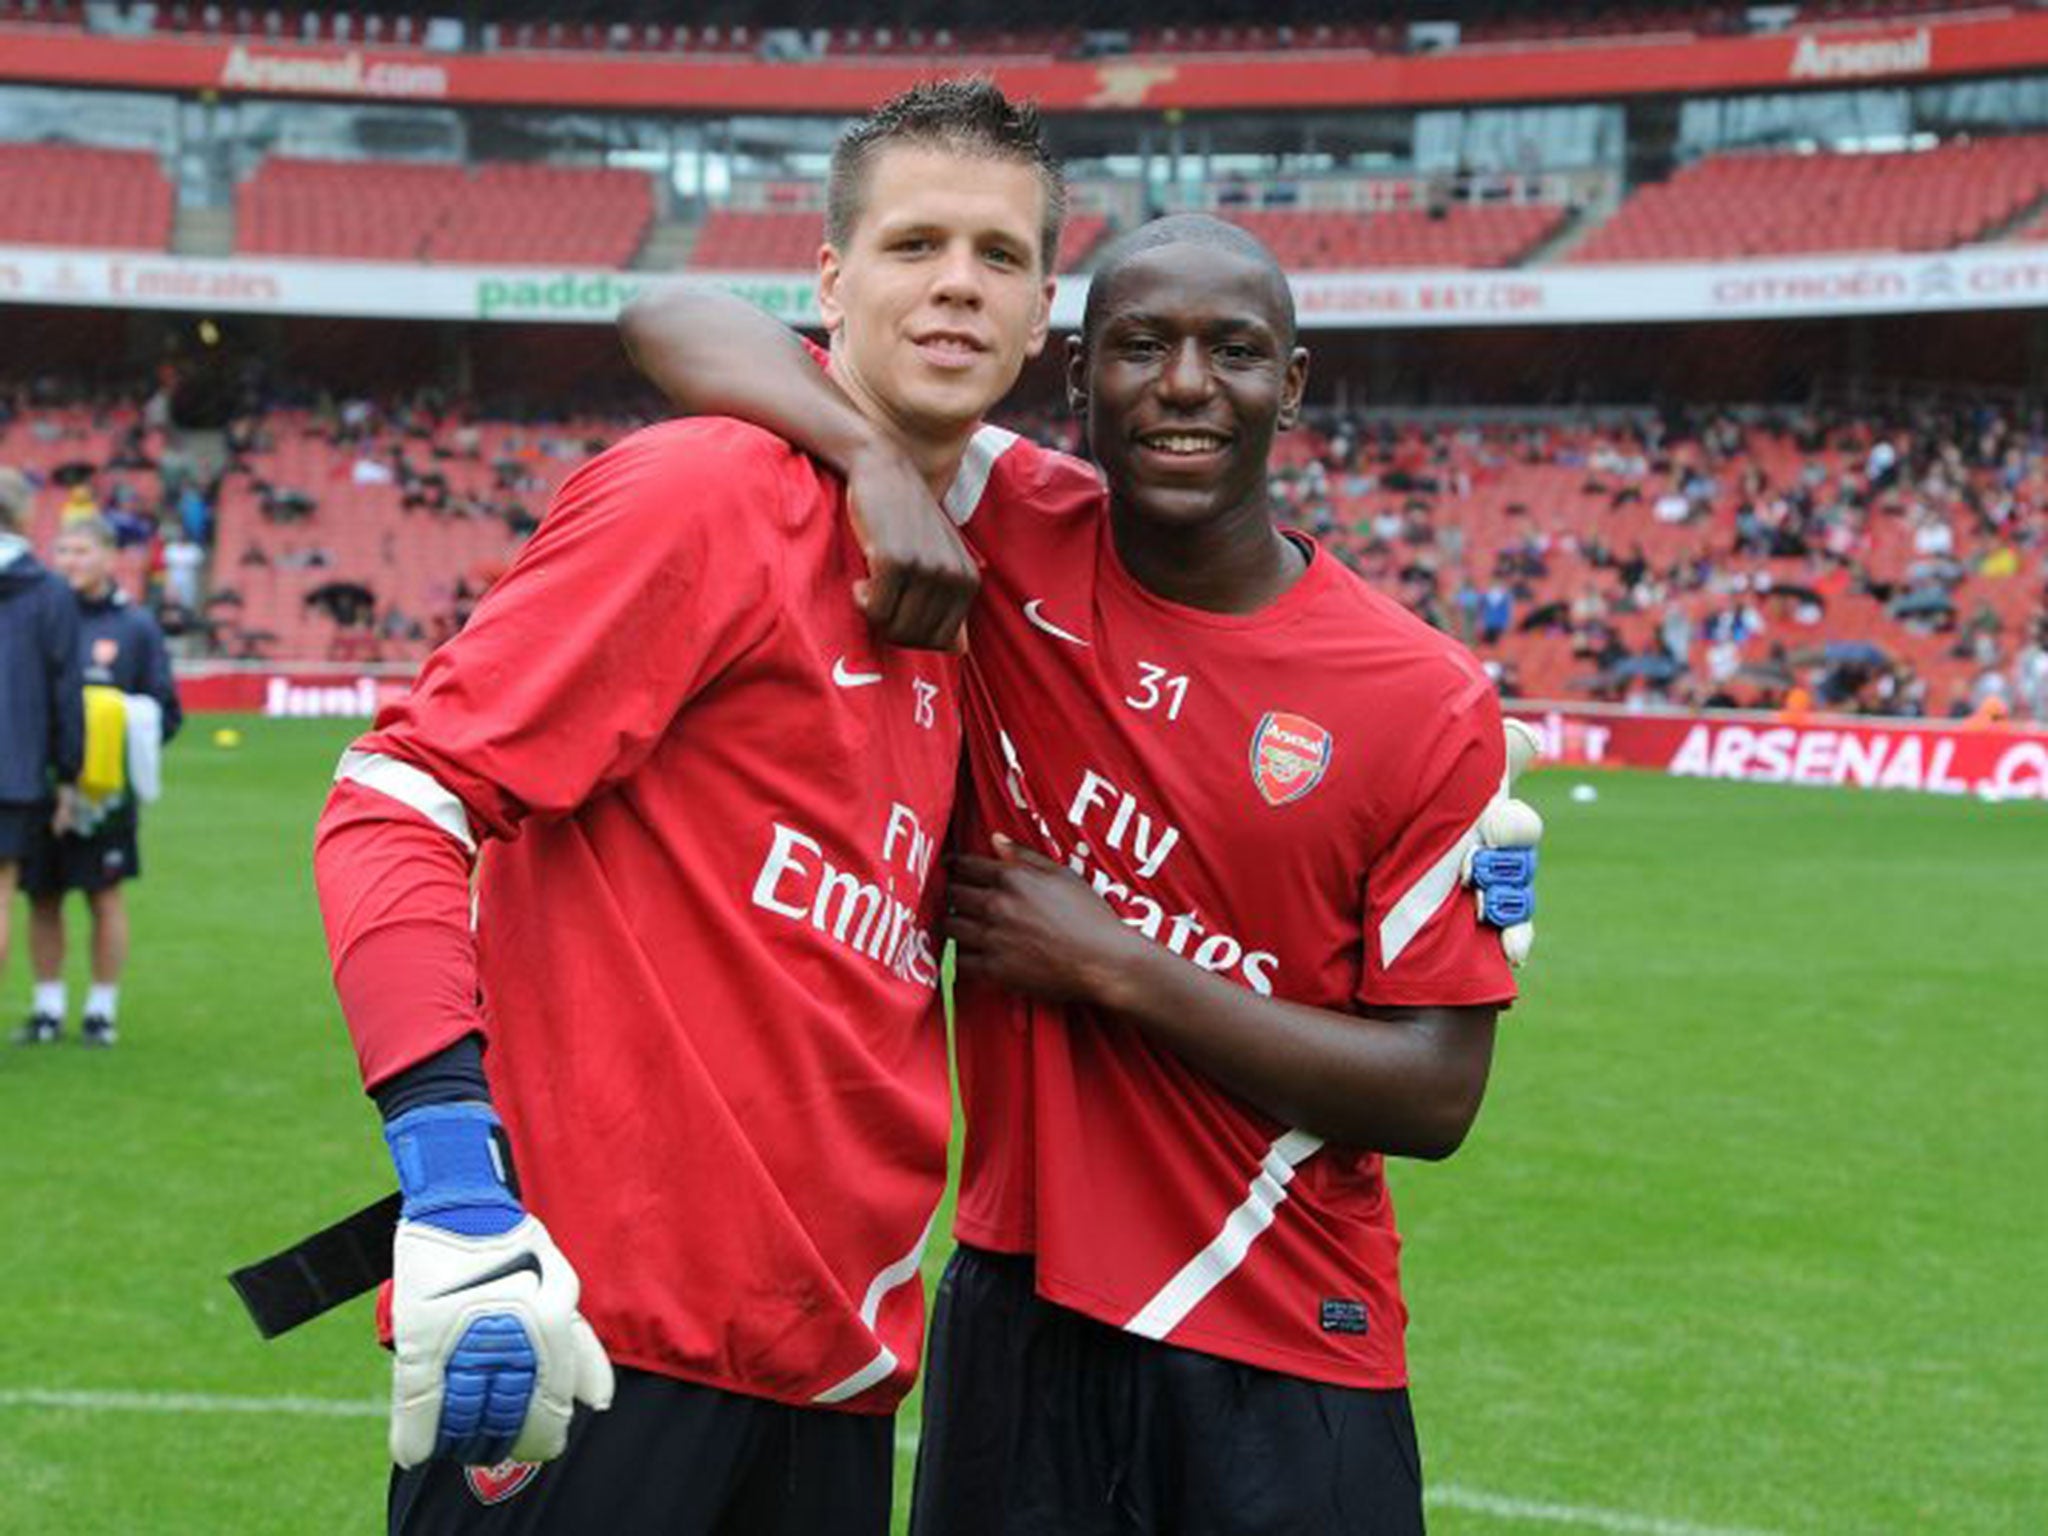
[121, 647]
[42, 714]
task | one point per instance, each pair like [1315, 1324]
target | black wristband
[451, 1076]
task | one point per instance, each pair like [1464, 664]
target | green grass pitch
[1749, 1237]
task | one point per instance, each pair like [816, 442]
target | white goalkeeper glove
[492, 1355]
[1501, 868]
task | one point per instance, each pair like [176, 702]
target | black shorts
[23, 824]
[670, 1458]
[103, 858]
[1041, 1422]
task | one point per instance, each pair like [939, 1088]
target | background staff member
[42, 726]
[122, 649]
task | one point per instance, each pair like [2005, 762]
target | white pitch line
[193, 1402]
[1579, 1516]
[1619, 1522]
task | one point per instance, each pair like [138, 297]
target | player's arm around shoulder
[712, 353]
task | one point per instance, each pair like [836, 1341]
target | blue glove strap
[1505, 879]
[450, 1171]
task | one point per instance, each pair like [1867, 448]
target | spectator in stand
[1811, 517]
[1990, 686]
[195, 519]
[2030, 676]
[1934, 539]
[131, 710]
[1496, 612]
[78, 504]
[183, 558]
[1676, 634]
[42, 722]
[1466, 605]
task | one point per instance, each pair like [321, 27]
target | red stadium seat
[372, 211]
[1778, 204]
[106, 199]
[1463, 235]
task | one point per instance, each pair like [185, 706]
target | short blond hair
[96, 528]
[15, 495]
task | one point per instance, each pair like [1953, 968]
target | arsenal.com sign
[1949, 758]
[327, 74]
[1820, 58]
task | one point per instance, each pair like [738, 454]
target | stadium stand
[895, 42]
[1718, 562]
[422, 520]
[1773, 204]
[1602, 22]
[51, 13]
[749, 240]
[1459, 235]
[107, 449]
[1463, 235]
[2034, 229]
[1847, 12]
[60, 194]
[375, 211]
[601, 36]
[277, 24]
[753, 240]
[630, 30]
[1719, 556]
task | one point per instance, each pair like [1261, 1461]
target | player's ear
[1041, 316]
[1292, 388]
[830, 310]
[1077, 375]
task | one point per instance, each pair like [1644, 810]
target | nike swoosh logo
[523, 1264]
[846, 679]
[1038, 620]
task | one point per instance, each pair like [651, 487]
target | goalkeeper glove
[1501, 867]
[492, 1355]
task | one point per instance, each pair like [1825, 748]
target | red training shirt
[703, 933]
[1281, 797]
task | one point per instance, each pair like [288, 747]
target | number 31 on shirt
[1156, 685]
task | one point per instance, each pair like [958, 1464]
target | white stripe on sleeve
[1424, 899]
[885, 1281]
[409, 786]
[1227, 1249]
[875, 1370]
[963, 496]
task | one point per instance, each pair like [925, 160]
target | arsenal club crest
[1290, 755]
[494, 1485]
